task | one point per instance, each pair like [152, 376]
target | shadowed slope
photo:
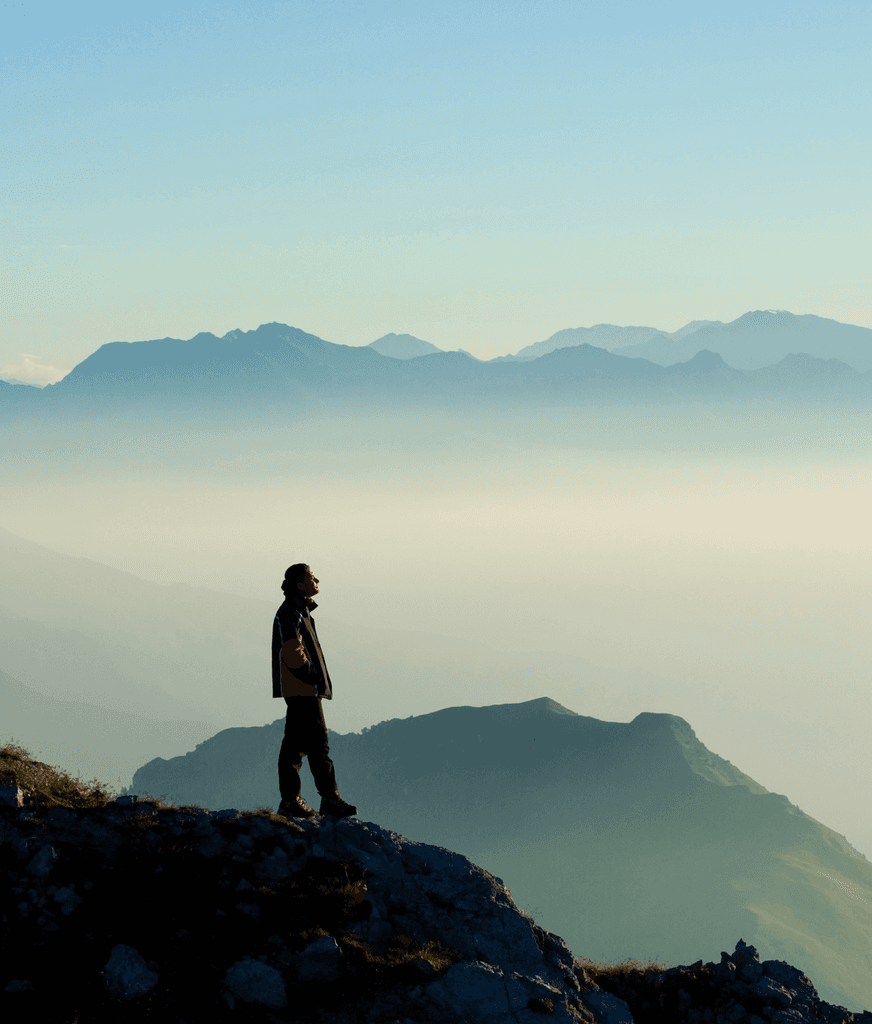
[630, 839]
[132, 910]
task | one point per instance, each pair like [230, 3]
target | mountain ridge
[304, 920]
[819, 336]
[280, 367]
[761, 338]
[678, 846]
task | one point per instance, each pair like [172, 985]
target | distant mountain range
[626, 839]
[606, 336]
[278, 366]
[754, 340]
[761, 338]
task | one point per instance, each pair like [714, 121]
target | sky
[478, 175]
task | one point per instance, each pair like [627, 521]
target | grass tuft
[45, 786]
[623, 969]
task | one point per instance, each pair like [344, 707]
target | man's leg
[318, 751]
[291, 753]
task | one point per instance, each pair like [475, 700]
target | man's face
[308, 585]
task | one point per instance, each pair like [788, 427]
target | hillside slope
[628, 839]
[127, 910]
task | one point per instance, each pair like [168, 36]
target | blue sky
[479, 175]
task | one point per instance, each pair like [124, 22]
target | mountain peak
[402, 346]
[706, 359]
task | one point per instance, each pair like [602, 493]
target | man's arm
[296, 664]
[294, 653]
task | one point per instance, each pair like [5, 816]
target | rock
[740, 984]
[126, 974]
[743, 954]
[474, 990]
[255, 982]
[19, 985]
[484, 994]
[772, 992]
[11, 796]
[43, 862]
[213, 846]
[428, 891]
[320, 959]
[424, 965]
[790, 977]
[507, 969]
[276, 867]
[67, 899]
[606, 1008]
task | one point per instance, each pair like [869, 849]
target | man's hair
[293, 575]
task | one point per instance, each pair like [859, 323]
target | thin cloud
[31, 370]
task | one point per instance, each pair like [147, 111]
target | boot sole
[290, 814]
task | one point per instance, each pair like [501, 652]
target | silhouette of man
[299, 674]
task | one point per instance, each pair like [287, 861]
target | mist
[727, 584]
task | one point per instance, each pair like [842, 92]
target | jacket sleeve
[291, 665]
[276, 657]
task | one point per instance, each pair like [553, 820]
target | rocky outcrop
[678, 848]
[186, 910]
[181, 912]
[738, 990]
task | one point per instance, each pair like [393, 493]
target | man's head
[299, 578]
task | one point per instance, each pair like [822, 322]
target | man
[299, 674]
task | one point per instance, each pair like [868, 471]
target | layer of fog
[728, 587]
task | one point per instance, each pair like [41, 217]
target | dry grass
[46, 786]
[598, 971]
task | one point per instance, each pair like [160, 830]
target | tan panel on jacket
[293, 656]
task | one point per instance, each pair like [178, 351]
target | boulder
[320, 959]
[257, 983]
[19, 985]
[67, 899]
[483, 993]
[43, 862]
[127, 975]
[606, 1008]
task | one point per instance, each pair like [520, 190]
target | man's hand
[307, 673]
[294, 655]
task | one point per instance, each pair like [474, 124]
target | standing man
[299, 674]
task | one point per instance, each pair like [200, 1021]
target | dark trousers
[305, 735]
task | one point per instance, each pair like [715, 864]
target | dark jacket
[292, 624]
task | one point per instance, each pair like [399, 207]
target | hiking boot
[336, 807]
[296, 809]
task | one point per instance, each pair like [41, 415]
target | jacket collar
[298, 600]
